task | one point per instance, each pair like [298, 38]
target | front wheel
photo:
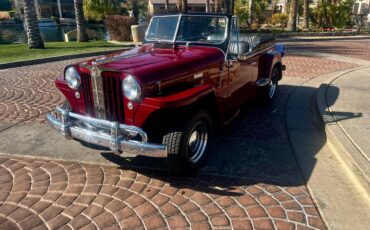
[187, 147]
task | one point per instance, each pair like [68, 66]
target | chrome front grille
[113, 98]
[87, 93]
[102, 94]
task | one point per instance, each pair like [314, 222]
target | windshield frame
[227, 29]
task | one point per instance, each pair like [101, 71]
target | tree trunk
[227, 6]
[207, 6]
[217, 6]
[250, 12]
[184, 4]
[232, 6]
[179, 5]
[166, 5]
[80, 21]
[305, 14]
[332, 4]
[292, 22]
[135, 9]
[34, 39]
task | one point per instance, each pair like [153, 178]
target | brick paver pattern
[43, 194]
[357, 48]
[28, 93]
[310, 67]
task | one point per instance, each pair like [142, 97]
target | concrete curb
[340, 197]
[345, 148]
[55, 58]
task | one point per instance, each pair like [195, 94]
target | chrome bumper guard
[118, 140]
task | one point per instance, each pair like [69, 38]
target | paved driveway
[251, 179]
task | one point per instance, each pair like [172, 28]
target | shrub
[280, 19]
[119, 27]
[55, 19]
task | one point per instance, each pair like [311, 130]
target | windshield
[162, 28]
[191, 28]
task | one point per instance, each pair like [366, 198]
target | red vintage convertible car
[166, 97]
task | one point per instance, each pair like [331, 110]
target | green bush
[329, 15]
[241, 10]
[119, 27]
[55, 19]
[280, 19]
[96, 10]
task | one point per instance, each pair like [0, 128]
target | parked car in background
[166, 97]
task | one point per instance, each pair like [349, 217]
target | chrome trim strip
[113, 140]
[97, 87]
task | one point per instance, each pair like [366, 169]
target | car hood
[150, 64]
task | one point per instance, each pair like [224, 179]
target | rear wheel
[187, 147]
[268, 92]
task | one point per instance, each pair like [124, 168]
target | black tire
[268, 92]
[187, 147]
[66, 106]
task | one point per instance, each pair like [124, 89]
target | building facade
[158, 6]
[48, 8]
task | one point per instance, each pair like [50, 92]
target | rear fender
[269, 60]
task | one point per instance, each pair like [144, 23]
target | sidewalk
[347, 113]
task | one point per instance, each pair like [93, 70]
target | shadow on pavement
[254, 149]
[330, 100]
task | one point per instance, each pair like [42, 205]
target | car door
[241, 71]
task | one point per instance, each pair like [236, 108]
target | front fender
[178, 100]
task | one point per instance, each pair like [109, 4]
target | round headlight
[131, 88]
[72, 77]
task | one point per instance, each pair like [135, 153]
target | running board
[262, 82]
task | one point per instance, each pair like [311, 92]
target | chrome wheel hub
[197, 142]
[272, 89]
[273, 83]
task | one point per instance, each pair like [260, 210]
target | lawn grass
[20, 52]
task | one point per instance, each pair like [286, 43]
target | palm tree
[217, 6]
[166, 5]
[292, 22]
[226, 6]
[250, 12]
[305, 14]
[232, 6]
[207, 6]
[34, 40]
[135, 9]
[179, 5]
[184, 4]
[80, 21]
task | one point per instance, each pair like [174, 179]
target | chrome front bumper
[117, 137]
